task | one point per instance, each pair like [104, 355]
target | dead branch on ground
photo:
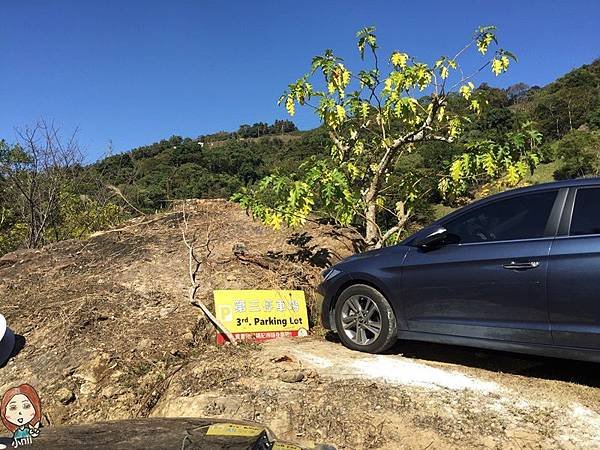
[128, 227]
[194, 266]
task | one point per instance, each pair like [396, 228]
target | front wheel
[365, 320]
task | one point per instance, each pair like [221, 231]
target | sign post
[259, 315]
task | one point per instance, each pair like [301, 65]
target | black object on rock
[7, 341]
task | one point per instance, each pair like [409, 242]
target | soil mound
[102, 322]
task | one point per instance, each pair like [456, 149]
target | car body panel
[573, 295]
[464, 290]
[329, 290]
[385, 276]
[158, 433]
[574, 291]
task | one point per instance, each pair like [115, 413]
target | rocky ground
[106, 331]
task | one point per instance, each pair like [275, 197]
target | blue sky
[135, 71]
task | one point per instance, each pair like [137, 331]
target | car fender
[387, 291]
[347, 280]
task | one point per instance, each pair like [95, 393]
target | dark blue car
[517, 271]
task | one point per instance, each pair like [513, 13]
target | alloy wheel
[361, 319]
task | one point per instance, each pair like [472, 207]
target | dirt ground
[106, 331]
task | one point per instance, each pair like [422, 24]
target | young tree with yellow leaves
[373, 116]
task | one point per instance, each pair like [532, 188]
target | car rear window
[586, 213]
[521, 217]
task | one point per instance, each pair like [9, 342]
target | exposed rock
[239, 249]
[94, 369]
[65, 395]
[144, 344]
[188, 337]
[87, 388]
[111, 391]
[292, 376]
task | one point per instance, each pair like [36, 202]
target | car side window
[521, 217]
[586, 212]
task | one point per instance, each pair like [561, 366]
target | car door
[490, 280]
[574, 272]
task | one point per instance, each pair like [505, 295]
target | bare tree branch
[403, 217]
[342, 147]
[117, 191]
[193, 268]
[38, 168]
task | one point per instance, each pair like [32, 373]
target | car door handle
[521, 265]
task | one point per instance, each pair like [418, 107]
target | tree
[282, 126]
[594, 119]
[503, 163]
[373, 118]
[43, 191]
[565, 104]
[580, 152]
[261, 129]
[37, 167]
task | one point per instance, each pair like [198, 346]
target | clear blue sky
[139, 71]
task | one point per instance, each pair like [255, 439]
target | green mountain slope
[217, 165]
[566, 111]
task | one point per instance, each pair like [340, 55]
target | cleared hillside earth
[107, 332]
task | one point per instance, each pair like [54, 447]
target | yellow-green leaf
[340, 112]
[399, 59]
[489, 164]
[443, 186]
[444, 72]
[466, 90]
[454, 127]
[358, 148]
[364, 109]
[289, 105]
[456, 170]
[512, 175]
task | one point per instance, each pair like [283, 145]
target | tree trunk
[371, 230]
[570, 117]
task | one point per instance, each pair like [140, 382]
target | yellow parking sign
[259, 315]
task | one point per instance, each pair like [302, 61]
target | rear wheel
[365, 320]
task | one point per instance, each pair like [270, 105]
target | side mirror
[433, 240]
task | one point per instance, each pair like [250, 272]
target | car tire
[360, 311]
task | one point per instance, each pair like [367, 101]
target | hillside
[218, 165]
[106, 331]
[150, 178]
[566, 104]
[294, 226]
[213, 166]
[104, 320]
